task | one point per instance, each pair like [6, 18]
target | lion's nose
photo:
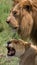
[8, 21]
[15, 27]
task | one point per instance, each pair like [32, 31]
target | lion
[26, 51]
[23, 18]
[16, 2]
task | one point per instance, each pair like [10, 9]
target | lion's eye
[14, 13]
[27, 7]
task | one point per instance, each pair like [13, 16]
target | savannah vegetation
[6, 33]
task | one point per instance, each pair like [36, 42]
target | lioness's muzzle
[11, 50]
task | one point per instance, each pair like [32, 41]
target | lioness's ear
[27, 45]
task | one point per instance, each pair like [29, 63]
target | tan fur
[16, 1]
[25, 14]
[25, 51]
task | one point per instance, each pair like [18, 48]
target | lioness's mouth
[11, 51]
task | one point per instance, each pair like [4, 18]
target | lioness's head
[17, 47]
[21, 18]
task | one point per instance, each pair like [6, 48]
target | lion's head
[23, 17]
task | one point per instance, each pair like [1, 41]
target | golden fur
[23, 17]
[16, 1]
[24, 50]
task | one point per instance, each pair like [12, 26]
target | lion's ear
[27, 45]
[27, 5]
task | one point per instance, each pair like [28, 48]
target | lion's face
[21, 18]
[17, 47]
[17, 1]
[13, 17]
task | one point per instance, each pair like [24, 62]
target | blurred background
[6, 32]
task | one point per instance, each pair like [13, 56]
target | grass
[6, 33]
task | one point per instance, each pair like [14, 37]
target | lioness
[23, 18]
[24, 50]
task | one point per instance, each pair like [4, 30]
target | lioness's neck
[28, 57]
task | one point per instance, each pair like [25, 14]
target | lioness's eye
[27, 7]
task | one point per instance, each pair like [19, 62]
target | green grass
[6, 32]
